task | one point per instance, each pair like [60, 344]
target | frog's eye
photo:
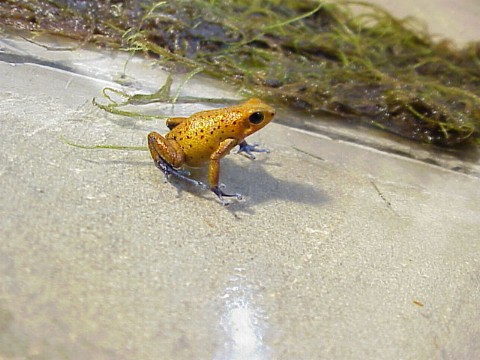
[256, 118]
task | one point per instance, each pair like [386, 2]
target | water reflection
[243, 322]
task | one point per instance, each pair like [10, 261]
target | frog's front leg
[168, 156]
[246, 148]
[214, 169]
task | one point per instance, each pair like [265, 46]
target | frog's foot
[168, 169]
[221, 195]
[247, 149]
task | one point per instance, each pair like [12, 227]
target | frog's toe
[247, 149]
[183, 172]
[221, 195]
[164, 167]
[180, 174]
[168, 170]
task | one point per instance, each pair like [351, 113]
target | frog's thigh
[214, 169]
[166, 150]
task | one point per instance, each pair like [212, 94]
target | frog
[206, 137]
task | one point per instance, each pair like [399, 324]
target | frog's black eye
[256, 117]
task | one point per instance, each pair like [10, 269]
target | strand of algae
[104, 147]
[162, 95]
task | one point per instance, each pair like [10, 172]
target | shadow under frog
[251, 179]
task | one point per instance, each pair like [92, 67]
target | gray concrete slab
[340, 251]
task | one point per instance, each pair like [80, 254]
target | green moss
[308, 55]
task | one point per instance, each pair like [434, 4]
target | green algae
[311, 56]
[104, 147]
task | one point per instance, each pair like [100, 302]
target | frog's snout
[271, 113]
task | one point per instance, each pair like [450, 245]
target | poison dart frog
[208, 136]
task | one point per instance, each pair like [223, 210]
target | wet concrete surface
[339, 251]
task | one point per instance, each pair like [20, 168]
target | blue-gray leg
[168, 169]
[247, 149]
[221, 195]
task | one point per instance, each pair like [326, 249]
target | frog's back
[201, 134]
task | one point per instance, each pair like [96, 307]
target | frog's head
[257, 114]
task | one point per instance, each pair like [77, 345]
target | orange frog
[207, 136]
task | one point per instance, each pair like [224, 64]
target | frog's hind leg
[166, 151]
[168, 156]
